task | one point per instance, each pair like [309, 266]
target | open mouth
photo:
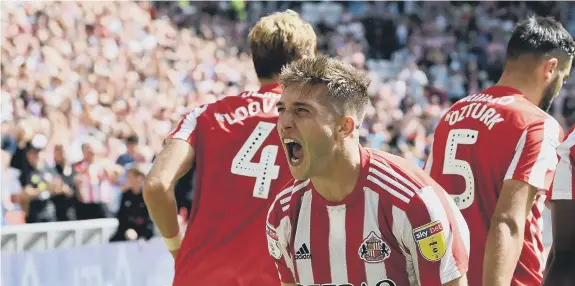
[294, 150]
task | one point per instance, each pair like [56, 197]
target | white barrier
[56, 235]
[133, 263]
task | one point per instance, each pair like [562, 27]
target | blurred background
[90, 90]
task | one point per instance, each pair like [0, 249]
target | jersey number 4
[265, 171]
[452, 166]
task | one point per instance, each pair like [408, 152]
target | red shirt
[564, 181]
[397, 227]
[239, 163]
[483, 140]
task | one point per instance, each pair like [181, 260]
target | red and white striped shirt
[398, 227]
[94, 186]
[483, 140]
[564, 182]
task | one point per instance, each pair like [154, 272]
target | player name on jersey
[479, 111]
[254, 108]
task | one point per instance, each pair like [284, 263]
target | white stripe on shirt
[302, 235]
[337, 240]
[373, 271]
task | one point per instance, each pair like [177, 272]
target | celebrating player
[235, 148]
[354, 216]
[561, 260]
[494, 152]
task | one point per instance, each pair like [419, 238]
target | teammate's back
[480, 143]
[238, 162]
[235, 148]
[494, 152]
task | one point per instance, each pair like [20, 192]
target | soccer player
[561, 261]
[494, 152]
[354, 216]
[235, 148]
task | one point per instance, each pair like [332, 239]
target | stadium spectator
[93, 186]
[132, 154]
[133, 218]
[38, 184]
[9, 186]
[64, 198]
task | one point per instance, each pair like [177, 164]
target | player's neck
[268, 81]
[341, 175]
[523, 82]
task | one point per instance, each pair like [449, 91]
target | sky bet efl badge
[273, 242]
[430, 240]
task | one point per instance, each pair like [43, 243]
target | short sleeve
[188, 127]
[535, 160]
[564, 181]
[435, 237]
[278, 233]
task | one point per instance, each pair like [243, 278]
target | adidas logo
[303, 253]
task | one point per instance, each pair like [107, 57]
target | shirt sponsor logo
[430, 240]
[373, 249]
[303, 252]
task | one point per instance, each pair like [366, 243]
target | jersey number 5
[265, 171]
[452, 166]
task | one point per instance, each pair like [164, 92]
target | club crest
[373, 249]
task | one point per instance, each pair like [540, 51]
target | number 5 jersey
[483, 140]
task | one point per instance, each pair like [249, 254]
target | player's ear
[347, 126]
[550, 68]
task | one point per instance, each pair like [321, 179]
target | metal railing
[56, 235]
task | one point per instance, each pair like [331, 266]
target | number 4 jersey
[239, 163]
[483, 140]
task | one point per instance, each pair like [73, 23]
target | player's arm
[173, 162]
[436, 238]
[506, 232]
[530, 170]
[561, 260]
[289, 284]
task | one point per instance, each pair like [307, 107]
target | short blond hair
[346, 85]
[279, 39]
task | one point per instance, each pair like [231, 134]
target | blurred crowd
[90, 89]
